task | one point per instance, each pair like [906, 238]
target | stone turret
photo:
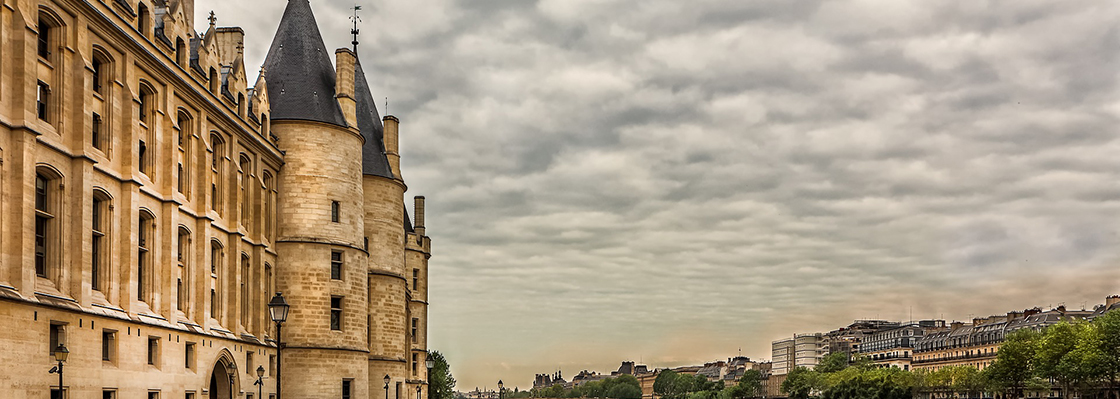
[320, 216]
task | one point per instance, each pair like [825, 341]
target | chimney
[1111, 300]
[392, 132]
[419, 208]
[955, 325]
[344, 85]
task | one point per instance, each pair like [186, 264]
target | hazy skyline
[670, 181]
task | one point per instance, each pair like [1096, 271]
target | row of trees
[673, 385]
[622, 387]
[1080, 358]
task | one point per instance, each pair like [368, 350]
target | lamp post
[430, 363]
[60, 354]
[500, 389]
[278, 310]
[386, 386]
[260, 381]
[418, 390]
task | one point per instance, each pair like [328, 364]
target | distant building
[976, 345]
[894, 347]
[802, 350]
[548, 380]
[848, 339]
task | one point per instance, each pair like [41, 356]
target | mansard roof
[300, 76]
[374, 161]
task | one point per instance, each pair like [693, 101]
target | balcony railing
[954, 358]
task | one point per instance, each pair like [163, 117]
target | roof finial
[212, 18]
[354, 31]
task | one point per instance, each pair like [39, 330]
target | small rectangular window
[142, 157]
[189, 358]
[415, 361]
[95, 131]
[190, 395]
[42, 99]
[271, 365]
[334, 211]
[336, 313]
[108, 394]
[336, 265]
[57, 337]
[415, 279]
[345, 389]
[153, 351]
[179, 179]
[415, 329]
[153, 395]
[249, 363]
[108, 345]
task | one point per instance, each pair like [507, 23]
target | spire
[374, 161]
[301, 78]
[354, 31]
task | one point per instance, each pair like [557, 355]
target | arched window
[214, 80]
[183, 258]
[47, 229]
[99, 227]
[216, 273]
[145, 240]
[50, 35]
[245, 170]
[180, 52]
[245, 289]
[240, 105]
[218, 155]
[267, 206]
[147, 96]
[143, 19]
[183, 140]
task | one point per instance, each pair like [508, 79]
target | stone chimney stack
[419, 205]
[1111, 300]
[392, 145]
[344, 85]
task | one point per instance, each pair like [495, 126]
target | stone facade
[153, 199]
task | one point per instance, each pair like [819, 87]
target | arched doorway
[222, 378]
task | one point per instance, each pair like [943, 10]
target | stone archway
[222, 384]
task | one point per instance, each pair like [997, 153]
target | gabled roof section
[300, 74]
[374, 161]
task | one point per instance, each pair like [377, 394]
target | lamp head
[61, 353]
[260, 371]
[386, 380]
[499, 385]
[430, 363]
[278, 308]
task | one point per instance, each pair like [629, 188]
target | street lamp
[430, 363]
[386, 386]
[278, 310]
[260, 381]
[499, 389]
[60, 354]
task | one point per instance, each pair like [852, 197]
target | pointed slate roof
[300, 76]
[374, 161]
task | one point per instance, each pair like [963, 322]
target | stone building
[894, 347]
[154, 199]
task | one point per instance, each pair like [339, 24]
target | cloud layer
[669, 181]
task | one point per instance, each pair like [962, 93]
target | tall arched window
[216, 273]
[267, 206]
[47, 227]
[99, 265]
[245, 289]
[183, 258]
[145, 241]
[214, 81]
[183, 140]
[216, 166]
[180, 52]
[143, 19]
[244, 171]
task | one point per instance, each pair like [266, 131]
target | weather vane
[355, 19]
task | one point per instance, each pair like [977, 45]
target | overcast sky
[669, 181]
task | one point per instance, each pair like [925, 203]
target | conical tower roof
[374, 161]
[299, 71]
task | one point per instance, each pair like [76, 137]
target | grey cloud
[673, 180]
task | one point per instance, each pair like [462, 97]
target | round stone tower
[385, 234]
[322, 258]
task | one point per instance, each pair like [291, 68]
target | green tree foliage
[1014, 365]
[833, 362]
[802, 383]
[1108, 340]
[858, 383]
[442, 384]
[750, 384]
